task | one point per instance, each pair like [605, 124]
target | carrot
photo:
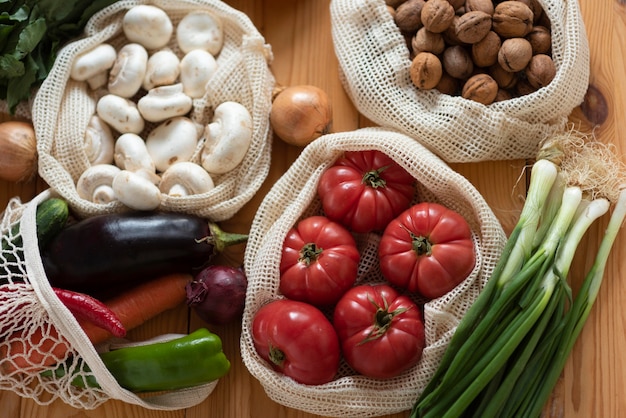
[141, 303]
[133, 307]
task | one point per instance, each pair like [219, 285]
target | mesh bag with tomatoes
[375, 68]
[294, 198]
[63, 107]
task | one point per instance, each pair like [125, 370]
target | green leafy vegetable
[31, 35]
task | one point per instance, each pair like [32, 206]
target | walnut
[485, 51]
[394, 3]
[503, 95]
[437, 15]
[456, 4]
[426, 70]
[512, 19]
[540, 71]
[540, 39]
[505, 79]
[515, 54]
[480, 5]
[481, 88]
[457, 62]
[523, 87]
[408, 15]
[535, 7]
[427, 41]
[448, 85]
[471, 27]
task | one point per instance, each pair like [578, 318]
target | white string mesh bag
[31, 315]
[374, 68]
[294, 197]
[62, 109]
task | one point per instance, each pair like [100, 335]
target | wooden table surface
[594, 379]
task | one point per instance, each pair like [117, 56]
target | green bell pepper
[190, 360]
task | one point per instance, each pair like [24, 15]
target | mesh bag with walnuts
[39, 334]
[294, 197]
[63, 107]
[375, 63]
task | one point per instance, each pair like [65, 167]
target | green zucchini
[51, 217]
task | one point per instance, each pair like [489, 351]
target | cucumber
[51, 217]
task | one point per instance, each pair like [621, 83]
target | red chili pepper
[91, 309]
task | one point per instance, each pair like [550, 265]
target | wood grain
[299, 33]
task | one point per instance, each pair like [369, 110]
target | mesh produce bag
[62, 109]
[34, 321]
[294, 197]
[374, 67]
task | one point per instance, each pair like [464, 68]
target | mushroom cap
[136, 191]
[147, 25]
[200, 30]
[95, 183]
[173, 141]
[184, 179]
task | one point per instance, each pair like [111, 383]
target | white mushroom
[131, 154]
[129, 70]
[95, 61]
[135, 191]
[200, 30]
[163, 68]
[147, 25]
[196, 68]
[99, 80]
[185, 179]
[173, 141]
[120, 113]
[99, 142]
[227, 138]
[164, 102]
[95, 184]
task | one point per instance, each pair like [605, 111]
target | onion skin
[18, 151]
[217, 294]
[301, 114]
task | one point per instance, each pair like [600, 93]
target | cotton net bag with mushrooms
[474, 80]
[160, 106]
[295, 197]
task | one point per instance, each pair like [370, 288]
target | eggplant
[123, 249]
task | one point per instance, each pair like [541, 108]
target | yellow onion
[300, 114]
[18, 151]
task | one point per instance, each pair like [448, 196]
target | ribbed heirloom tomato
[427, 249]
[297, 340]
[319, 261]
[381, 332]
[364, 190]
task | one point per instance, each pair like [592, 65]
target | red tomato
[381, 332]
[319, 261]
[364, 190]
[297, 340]
[427, 249]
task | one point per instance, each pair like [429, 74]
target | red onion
[217, 294]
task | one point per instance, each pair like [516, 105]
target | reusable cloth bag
[31, 314]
[374, 68]
[62, 109]
[294, 197]
[30, 311]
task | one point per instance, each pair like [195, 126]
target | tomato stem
[373, 179]
[382, 320]
[310, 253]
[420, 243]
[277, 356]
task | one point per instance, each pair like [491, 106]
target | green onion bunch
[511, 347]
